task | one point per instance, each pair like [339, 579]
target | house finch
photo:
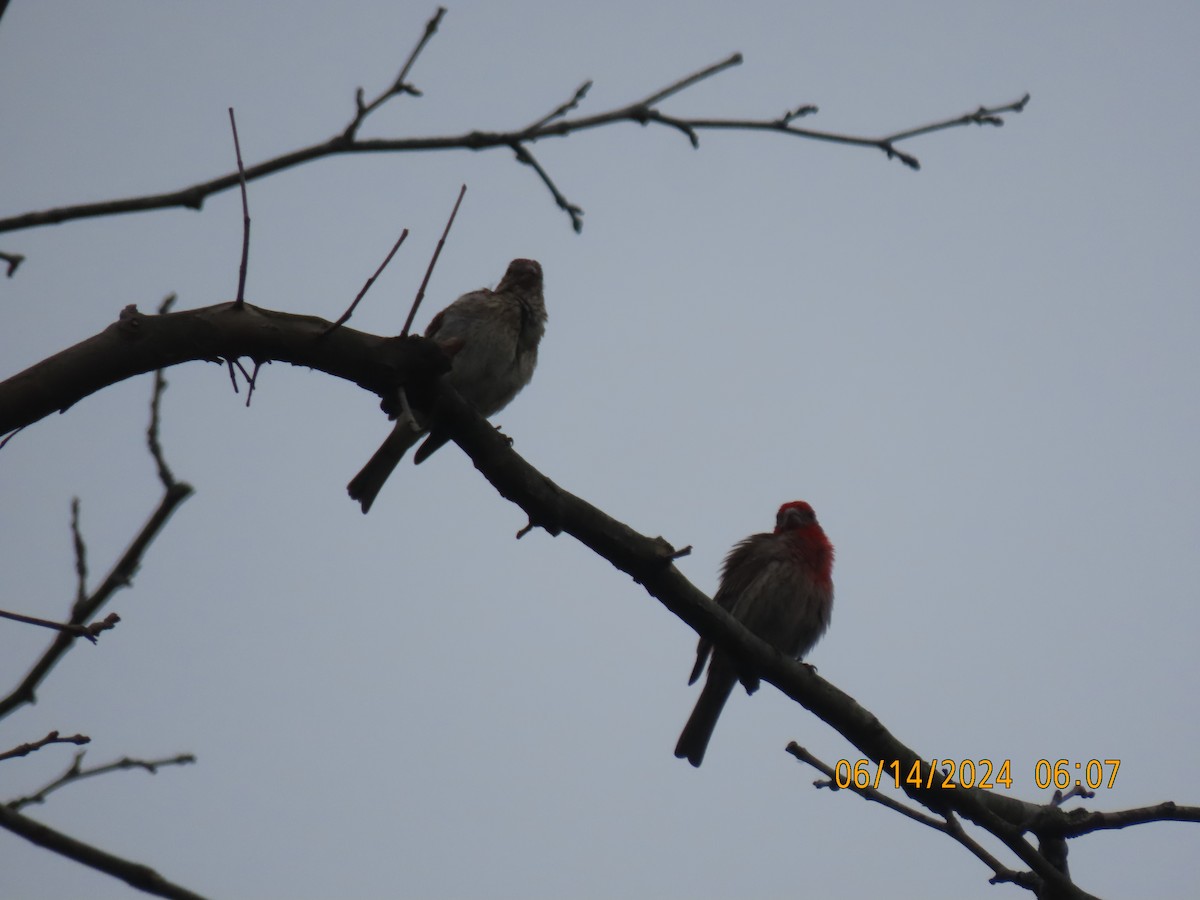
[778, 585]
[494, 338]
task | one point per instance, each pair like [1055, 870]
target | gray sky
[983, 376]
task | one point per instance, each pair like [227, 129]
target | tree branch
[437, 252]
[86, 606]
[345, 317]
[77, 773]
[1079, 822]
[52, 738]
[400, 85]
[137, 875]
[947, 824]
[84, 631]
[241, 169]
[554, 124]
[139, 343]
[121, 576]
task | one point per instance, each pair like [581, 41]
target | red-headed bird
[779, 585]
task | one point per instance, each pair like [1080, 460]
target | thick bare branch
[139, 343]
[1079, 822]
[137, 875]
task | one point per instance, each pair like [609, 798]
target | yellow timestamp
[1063, 773]
[973, 773]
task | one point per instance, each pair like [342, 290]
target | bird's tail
[699, 728]
[365, 486]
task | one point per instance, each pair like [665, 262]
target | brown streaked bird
[495, 336]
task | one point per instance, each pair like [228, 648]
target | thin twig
[562, 110]
[250, 377]
[1078, 790]
[13, 260]
[1000, 873]
[164, 472]
[575, 212]
[160, 385]
[399, 86]
[799, 112]
[867, 793]
[345, 317]
[73, 629]
[77, 773]
[81, 570]
[734, 59]
[412, 313]
[982, 116]
[680, 125]
[252, 381]
[51, 738]
[237, 149]
[237, 364]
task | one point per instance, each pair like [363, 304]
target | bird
[779, 585]
[493, 337]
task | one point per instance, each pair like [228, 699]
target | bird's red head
[798, 522]
[794, 515]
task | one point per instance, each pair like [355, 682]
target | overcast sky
[982, 375]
